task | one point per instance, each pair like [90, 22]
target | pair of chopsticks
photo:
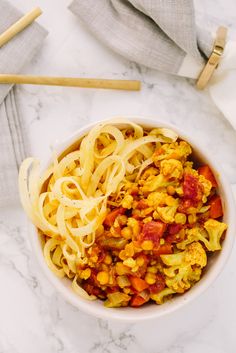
[18, 27]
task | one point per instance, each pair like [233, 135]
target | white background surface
[33, 318]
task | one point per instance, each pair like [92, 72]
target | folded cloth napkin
[13, 57]
[162, 35]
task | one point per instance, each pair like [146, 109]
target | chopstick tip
[38, 11]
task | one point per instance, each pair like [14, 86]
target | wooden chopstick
[21, 24]
[18, 26]
[128, 85]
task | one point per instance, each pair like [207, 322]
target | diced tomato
[153, 288]
[207, 173]
[93, 278]
[192, 188]
[174, 234]
[88, 288]
[202, 218]
[110, 217]
[158, 286]
[174, 228]
[174, 238]
[137, 301]
[163, 249]
[101, 256]
[134, 191]
[91, 290]
[136, 216]
[142, 204]
[138, 283]
[112, 289]
[216, 207]
[118, 229]
[153, 230]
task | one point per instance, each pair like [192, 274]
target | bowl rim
[187, 297]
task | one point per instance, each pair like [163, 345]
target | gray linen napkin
[159, 34]
[155, 33]
[13, 57]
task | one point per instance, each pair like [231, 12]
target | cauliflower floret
[148, 172]
[127, 201]
[188, 169]
[173, 259]
[171, 168]
[194, 276]
[116, 300]
[210, 236]
[206, 184]
[192, 235]
[196, 255]
[215, 230]
[156, 199]
[184, 267]
[160, 297]
[178, 278]
[167, 214]
[154, 183]
[133, 224]
[175, 150]
[188, 164]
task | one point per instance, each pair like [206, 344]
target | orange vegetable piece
[207, 173]
[137, 300]
[216, 207]
[163, 250]
[142, 204]
[138, 283]
[110, 217]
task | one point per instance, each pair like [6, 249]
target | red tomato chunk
[192, 188]
[207, 173]
[110, 218]
[153, 230]
[216, 210]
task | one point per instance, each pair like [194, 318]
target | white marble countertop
[33, 317]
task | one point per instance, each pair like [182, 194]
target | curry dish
[127, 215]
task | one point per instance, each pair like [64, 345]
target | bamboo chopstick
[21, 24]
[18, 26]
[128, 85]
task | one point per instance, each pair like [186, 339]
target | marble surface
[33, 317]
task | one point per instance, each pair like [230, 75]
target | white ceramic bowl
[215, 264]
